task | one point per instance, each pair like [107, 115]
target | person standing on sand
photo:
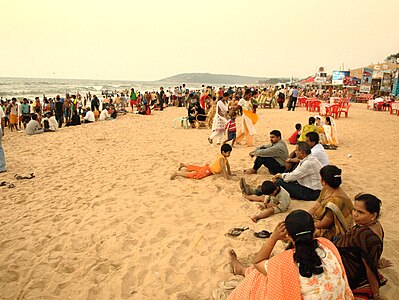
[249, 119]
[133, 98]
[59, 108]
[25, 111]
[219, 121]
[161, 98]
[2, 156]
[13, 111]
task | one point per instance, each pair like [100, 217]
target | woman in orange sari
[311, 270]
[249, 119]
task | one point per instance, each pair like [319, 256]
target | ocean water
[37, 87]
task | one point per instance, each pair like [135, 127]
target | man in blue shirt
[294, 98]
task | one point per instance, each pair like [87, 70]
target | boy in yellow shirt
[220, 166]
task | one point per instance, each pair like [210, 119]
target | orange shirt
[216, 167]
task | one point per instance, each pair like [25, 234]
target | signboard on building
[395, 90]
[338, 76]
[320, 77]
[365, 83]
[365, 88]
[386, 82]
[367, 75]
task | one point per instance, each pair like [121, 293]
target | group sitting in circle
[334, 249]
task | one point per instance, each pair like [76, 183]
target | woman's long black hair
[300, 227]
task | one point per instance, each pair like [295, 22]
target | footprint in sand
[140, 220]
[128, 245]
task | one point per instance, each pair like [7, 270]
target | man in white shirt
[304, 182]
[89, 117]
[312, 138]
[104, 115]
[49, 122]
[2, 156]
[33, 126]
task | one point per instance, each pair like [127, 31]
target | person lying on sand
[275, 198]
[220, 166]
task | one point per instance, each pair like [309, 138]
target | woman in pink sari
[312, 269]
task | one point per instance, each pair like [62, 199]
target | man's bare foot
[254, 218]
[236, 266]
[250, 171]
[173, 176]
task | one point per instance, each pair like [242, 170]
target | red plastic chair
[344, 109]
[333, 110]
[316, 106]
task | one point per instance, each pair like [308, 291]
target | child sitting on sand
[294, 137]
[220, 166]
[276, 200]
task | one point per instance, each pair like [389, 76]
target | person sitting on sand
[272, 156]
[49, 122]
[220, 166]
[275, 198]
[293, 139]
[89, 117]
[333, 209]
[309, 269]
[308, 128]
[361, 248]
[104, 115]
[330, 137]
[312, 139]
[33, 126]
[75, 120]
[304, 182]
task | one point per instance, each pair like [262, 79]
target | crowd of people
[334, 249]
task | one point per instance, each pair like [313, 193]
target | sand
[102, 220]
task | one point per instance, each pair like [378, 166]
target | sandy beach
[102, 219]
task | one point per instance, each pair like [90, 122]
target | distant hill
[208, 78]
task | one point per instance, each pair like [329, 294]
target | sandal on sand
[19, 177]
[236, 231]
[264, 234]
[230, 284]
[11, 186]
[210, 141]
[3, 183]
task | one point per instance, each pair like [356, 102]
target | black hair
[328, 120]
[371, 202]
[268, 187]
[298, 126]
[303, 146]
[248, 91]
[331, 175]
[225, 94]
[276, 133]
[300, 226]
[34, 117]
[226, 148]
[313, 137]
[312, 120]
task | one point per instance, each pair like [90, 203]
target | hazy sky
[150, 40]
